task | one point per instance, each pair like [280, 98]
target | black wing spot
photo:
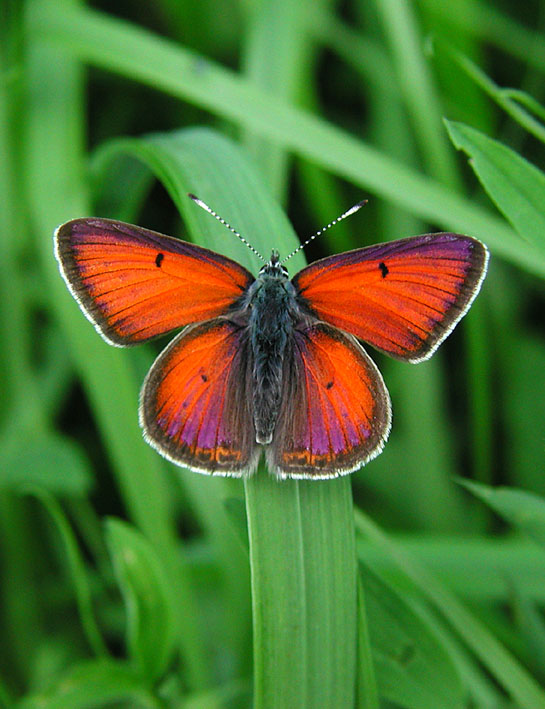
[329, 385]
[204, 377]
[383, 269]
[159, 260]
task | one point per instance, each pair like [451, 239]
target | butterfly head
[274, 267]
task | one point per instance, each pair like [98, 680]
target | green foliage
[201, 592]
[148, 598]
[512, 182]
[413, 667]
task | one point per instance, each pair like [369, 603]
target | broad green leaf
[514, 184]
[524, 510]
[94, 685]
[304, 592]
[413, 668]
[51, 462]
[149, 602]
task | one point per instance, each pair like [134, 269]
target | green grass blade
[416, 83]
[504, 97]
[530, 625]
[479, 569]
[501, 664]
[529, 102]
[149, 601]
[303, 579]
[522, 509]
[515, 185]
[487, 22]
[327, 666]
[118, 46]
[273, 61]
[77, 569]
[413, 667]
[366, 690]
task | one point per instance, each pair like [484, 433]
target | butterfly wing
[195, 405]
[403, 297]
[135, 284]
[335, 414]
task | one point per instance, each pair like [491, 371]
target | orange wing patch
[135, 284]
[335, 413]
[194, 405]
[403, 297]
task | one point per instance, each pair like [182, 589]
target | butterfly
[268, 363]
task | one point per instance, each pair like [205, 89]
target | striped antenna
[350, 211]
[206, 208]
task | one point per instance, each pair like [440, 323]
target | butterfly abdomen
[271, 328]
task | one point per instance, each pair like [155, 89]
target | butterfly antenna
[206, 208]
[348, 212]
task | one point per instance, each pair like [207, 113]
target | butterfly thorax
[273, 312]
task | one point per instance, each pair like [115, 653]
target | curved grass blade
[77, 569]
[149, 601]
[524, 510]
[412, 666]
[508, 99]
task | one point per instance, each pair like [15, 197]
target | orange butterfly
[268, 361]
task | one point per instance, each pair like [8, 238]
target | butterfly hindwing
[335, 413]
[403, 297]
[135, 284]
[195, 406]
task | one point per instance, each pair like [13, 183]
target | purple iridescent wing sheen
[335, 413]
[135, 284]
[194, 405]
[403, 297]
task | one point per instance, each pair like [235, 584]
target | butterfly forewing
[402, 297]
[335, 413]
[135, 284]
[195, 404]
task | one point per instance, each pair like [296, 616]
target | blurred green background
[128, 582]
